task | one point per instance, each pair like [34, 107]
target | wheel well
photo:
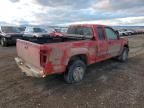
[126, 46]
[82, 57]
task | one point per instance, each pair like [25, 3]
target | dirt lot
[108, 84]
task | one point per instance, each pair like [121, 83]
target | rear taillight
[43, 57]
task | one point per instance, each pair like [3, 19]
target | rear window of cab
[86, 31]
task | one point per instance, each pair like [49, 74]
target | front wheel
[75, 72]
[4, 42]
[124, 55]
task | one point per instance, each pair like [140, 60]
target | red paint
[59, 54]
[56, 34]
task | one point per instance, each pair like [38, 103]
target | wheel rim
[78, 73]
[125, 55]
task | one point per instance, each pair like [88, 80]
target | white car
[123, 33]
[35, 32]
[126, 32]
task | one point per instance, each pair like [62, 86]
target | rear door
[102, 42]
[114, 43]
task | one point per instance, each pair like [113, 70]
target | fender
[76, 51]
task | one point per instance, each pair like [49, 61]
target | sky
[65, 12]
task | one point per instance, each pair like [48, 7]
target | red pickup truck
[71, 53]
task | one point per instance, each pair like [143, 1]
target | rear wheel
[75, 71]
[4, 42]
[124, 55]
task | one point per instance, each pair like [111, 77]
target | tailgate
[29, 52]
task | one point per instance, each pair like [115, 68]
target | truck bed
[58, 39]
[30, 50]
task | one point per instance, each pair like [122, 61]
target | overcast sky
[49, 12]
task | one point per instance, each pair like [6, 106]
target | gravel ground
[109, 84]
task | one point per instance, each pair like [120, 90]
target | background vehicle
[133, 32]
[22, 29]
[34, 32]
[122, 33]
[70, 54]
[129, 31]
[126, 32]
[9, 34]
[57, 31]
[140, 31]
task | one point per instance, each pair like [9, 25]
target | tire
[75, 71]
[4, 42]
[124, 55]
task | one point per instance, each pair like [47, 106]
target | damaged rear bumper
[28, 69]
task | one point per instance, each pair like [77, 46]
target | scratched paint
[56, 55]
[59, 54]
[114, 50]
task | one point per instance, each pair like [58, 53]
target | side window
[25, 30]
[71, 30]
[29, 30]
[111, 34]
[101, 34]
[87, 31]
[79, 31]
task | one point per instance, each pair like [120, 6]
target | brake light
[43, 57]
